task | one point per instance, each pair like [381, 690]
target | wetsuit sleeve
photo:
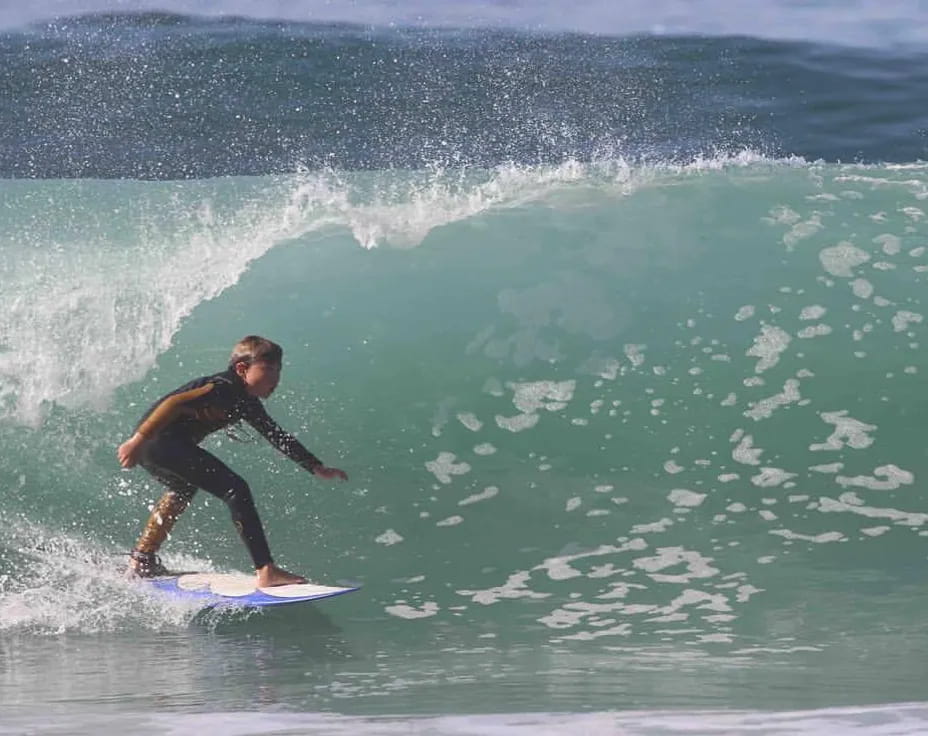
[289, 445]
[169, 409]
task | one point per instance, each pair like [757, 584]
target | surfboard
[238, 589]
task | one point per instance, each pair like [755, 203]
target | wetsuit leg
[184, 467]
[159, 526]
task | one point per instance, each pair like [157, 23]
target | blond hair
[252, 348]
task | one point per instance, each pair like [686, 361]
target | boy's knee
[238, 489]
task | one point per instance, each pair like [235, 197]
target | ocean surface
[617, 330]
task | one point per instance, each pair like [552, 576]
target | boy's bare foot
[271, 575]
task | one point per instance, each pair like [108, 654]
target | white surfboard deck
[238, 589]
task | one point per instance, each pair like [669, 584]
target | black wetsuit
[176, 424]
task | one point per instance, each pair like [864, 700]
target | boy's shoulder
[223, 384]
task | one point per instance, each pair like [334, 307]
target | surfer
[166, 443]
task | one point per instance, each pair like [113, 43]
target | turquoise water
[620, 439]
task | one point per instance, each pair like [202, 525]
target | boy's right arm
[129, 451]
[286, 443]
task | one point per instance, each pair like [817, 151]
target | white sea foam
[654, 527]
[823, 538]
[66, 583]
[745, 312]
[685, 497]
[768, 346]
[903, 318]
[816, 311]
[848, 431]
[404, 610]
[444, 467]
[814, 331]
[485, 494]
[388, 538]
[470, 421]
[885, 478]
[745, 452]
[891, 244]
[903, 518]
[764, 408]
[696, 565]
[518, 423]
[771, 477]
[862, 288]
[841, 260]
[516, 586]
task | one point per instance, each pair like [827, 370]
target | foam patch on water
[823, 538]
[697, 566]
[904, 318]
[518, 423]
[768, 346]
[861, 288]
[814, 331]
[516, 586]
[841, 260]
[848, 431]
[745, 452]
[685, 497]
[902, 518]
[549, 395]
[470, 421]
[816, 311]
[404, 610]
[652, 528]
[744, 313]
[802, 230]
[764, 408]
[487, 493]
[444, 467]
[388, 538]
[771, 477]
[884, 478]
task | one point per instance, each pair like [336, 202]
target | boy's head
[257, 361]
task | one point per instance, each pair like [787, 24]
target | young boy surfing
[166, 443]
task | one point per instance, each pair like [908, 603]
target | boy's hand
[328, 473]
[129, 451]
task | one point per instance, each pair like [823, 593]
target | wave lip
[72, 287]
[93, 298]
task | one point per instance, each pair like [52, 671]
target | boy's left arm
[286, 443]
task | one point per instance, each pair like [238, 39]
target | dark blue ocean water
[171, 96]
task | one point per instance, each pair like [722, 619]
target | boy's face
[260, 377]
